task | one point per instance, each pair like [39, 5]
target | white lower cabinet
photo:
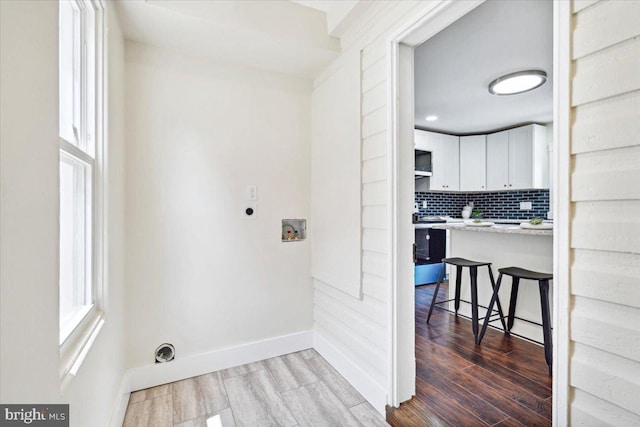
[473, 163]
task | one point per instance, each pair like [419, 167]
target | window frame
[88, 320]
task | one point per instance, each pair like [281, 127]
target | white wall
[335, 202]
[605, 230]
[200, 275]
[29, 209]
[29, 371]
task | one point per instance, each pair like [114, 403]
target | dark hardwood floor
[503, 382]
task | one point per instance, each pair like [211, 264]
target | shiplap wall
[605, 195]
[358, 328]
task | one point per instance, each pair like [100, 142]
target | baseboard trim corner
[369, 388]
[181, 368]
[120, 404]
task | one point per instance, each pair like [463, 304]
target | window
[80, 179]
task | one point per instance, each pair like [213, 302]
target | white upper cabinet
[513, 159]
[521, 158]
[517, 159]
[420, 140]
[498, 161]
[528, 157]
[445, 160]
[451, 162]
[473, 163]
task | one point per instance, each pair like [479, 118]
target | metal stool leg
[473, 271]
[493, 286]
[512, 304]
[546, 322]
[494, 298]
[435, 293]
[458, 284]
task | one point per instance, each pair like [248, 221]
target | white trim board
[561, 206]
[199, 364]
[369, 388]
[415, 30]
[120, 405]
[418, 28]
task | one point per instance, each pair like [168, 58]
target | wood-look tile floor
[297, 389]
[503, 382]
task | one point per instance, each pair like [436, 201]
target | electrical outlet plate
[525, 206]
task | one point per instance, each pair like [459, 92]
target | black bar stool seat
[463, 262]
[525, 274]
[460, 263]
[516, 274]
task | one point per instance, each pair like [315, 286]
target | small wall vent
[165, 353]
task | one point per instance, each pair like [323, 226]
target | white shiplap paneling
[607, 376]
[374, 146]
[610, 327]
[606, 276]
[590, 411]
[605, 229]
[607, 124]
[607, 175]
[612, 225]
[606, 73]
[594, 32]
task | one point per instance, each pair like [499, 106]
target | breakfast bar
[504, 245]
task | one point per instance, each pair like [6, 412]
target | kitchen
[483, 181]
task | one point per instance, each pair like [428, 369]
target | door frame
[401, 334]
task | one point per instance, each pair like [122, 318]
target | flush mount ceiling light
[431, 118]
[519, 82]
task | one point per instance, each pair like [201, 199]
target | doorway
[422, 28]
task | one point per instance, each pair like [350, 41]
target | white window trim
[76, 346]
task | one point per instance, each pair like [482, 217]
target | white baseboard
[120, 407]
[369, 388]
[199, 364]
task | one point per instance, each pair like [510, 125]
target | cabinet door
[451, 145]
[498, 161]
[521, 158]
[420, 140]
[438, 164]
[473, 166]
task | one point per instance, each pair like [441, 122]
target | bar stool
[473, 274]
[516, 274]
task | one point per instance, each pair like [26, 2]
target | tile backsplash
[495, 204]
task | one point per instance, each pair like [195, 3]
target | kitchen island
[504, 245]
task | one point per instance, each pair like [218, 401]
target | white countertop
[498, 228]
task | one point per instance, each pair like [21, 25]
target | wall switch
[424, 204]
[525, 206]
[252, 192]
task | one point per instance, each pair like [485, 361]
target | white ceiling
[280, 36]
[454, 68]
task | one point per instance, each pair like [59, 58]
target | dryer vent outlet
[165, 353]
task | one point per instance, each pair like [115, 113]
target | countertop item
[543, 226]
[497, 228]
[499, 220]
[473, 223]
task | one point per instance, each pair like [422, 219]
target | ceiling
[453, 69]
[280, 36]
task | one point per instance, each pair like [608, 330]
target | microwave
[423, 161]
